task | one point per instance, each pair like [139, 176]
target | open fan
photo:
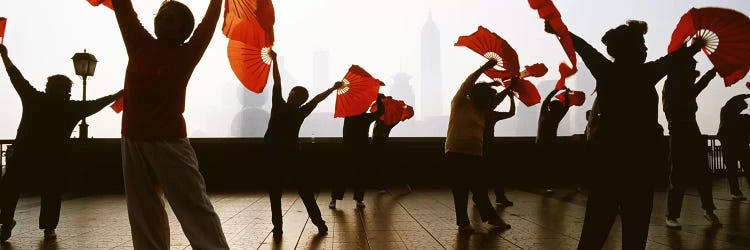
[492, 46]
[535, 70]
[394, 110]
[547, 11]
[3, 22]
[261, 11]
[727, 36]
[525, 91]
[408, 113]
[577, 98]
[360, 89]
[118, 105]
[249, 55]
[107, 3]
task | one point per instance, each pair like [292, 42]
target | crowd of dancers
[157, 158]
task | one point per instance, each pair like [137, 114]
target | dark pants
[689, 167]
[622, 184]
[732, 153]
[289, 166]
[468, 176]
[24, 167]
[350, 174]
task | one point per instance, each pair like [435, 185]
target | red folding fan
[549, 13]
[492, 46]
[360, 89]
[249, 55]
[577, 98]
[107, 3]
[393, 113]
[118, 105]
[261, 11]
[3, 22]
[524, 90]
[408, 113]
[727, 36]
[535, 70]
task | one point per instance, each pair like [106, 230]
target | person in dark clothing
[626, 146]
[282, 138]
[734, 138]
[381, 133]
[41, 145]
[687, 153]
[552, 112]
[356, 141]
[489, 140]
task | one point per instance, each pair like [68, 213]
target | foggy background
[407, 44]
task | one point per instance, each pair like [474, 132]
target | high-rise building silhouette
[401, 89]
[431, 93]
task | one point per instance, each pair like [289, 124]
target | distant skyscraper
[401, 89]
[431, 93]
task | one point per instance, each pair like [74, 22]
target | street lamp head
[84, 64]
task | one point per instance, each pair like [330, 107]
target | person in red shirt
[156, 154]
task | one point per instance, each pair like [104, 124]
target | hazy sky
[382, 36]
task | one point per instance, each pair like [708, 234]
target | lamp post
[84, 64]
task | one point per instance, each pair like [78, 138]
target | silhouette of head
[481, 95]
[297, 96]
[556, 106]
[58, 87]
[684, 68]
[173, 23]
[626, 44]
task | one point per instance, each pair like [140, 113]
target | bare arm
[472, 79]
[323, 95]
[276, 91]
[205, 30]
[133, 33]
[22, 86]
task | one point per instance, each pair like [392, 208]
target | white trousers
[151, 168]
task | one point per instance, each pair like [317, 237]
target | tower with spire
[431, 74]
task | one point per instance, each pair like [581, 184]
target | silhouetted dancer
[734, 138]
[356, 142]
[156, 154]
[489, 146]
[464, 149]
[282, 140]
[687, 147]
[626, 146]
[381, 133]
[552, 112]
[41, 145]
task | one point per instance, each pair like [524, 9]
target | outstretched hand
[338, 85]
[490, 63]
[710, 73]
[272, 54]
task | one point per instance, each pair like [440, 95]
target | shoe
[738, 197]
[6, 230]
[504, 202]
[408, 188]
[277, 232]
[49, 234]
[673, 224]
[579, 189]
[499, 224]
[360, 204]
[382, 191]
[548, 190]
[322, 228]
[711, 217]
[332, 205]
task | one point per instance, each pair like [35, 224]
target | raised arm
[310, 106]
[276, 91]
[205, 30]
[595, 61]
[545, 103]
[660, 67]
[133, 33]
[381, 109]
[497, 116]
[508, 91]
[472, 79]
[87, 108]
[703, 82]
[20, 83]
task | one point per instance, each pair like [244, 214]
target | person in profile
[552, 112]
[687, 147]
[464, 149]
[282, 140]
[381, 134]
[626, 145]
[356, 140]
[41, 145]
[489, 146]
[734, 138]
[157, 157]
